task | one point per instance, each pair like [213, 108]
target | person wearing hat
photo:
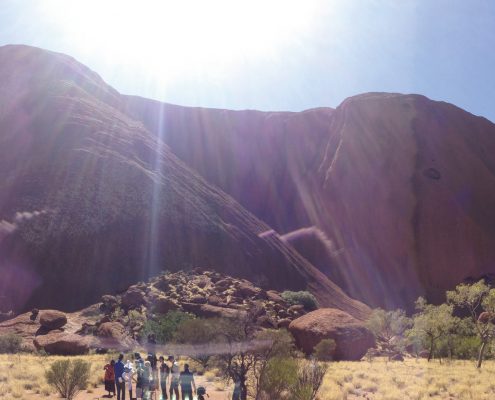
[174, 378]
[187, 384]
[119, 381]
[164, 374]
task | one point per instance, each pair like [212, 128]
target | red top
[109, 372]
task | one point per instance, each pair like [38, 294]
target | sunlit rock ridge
[390, 196]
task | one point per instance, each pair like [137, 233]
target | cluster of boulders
[206, 294]
[117, 322]
[53, 338]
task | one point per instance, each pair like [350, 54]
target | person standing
[236, 395]
[139, 379]
[119, 380]
[146, 379]
[127, 377]
[110, 378]
[174, 378]
[187, 384]
[164, 374]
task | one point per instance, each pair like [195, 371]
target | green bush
[324, 350]
[10, 343]
[302, 297]
[68, 377]
[279, 375]
[164, 329]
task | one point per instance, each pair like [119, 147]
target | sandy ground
[100, 394]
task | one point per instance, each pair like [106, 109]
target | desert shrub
[68, 377]
[310, 378]
[10, 343]
[324, 350]
[164, 329]
[279, 375]
[302, 297]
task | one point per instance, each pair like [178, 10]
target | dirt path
[100, 394]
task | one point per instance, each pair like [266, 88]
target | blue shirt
[119, 370]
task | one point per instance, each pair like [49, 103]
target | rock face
[390, 196]
[52, 319]
[352, 338]
[402, 187]
[91, 201]
[64, 344]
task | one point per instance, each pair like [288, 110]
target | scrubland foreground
[22, 377]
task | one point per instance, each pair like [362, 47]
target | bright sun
[171, 38]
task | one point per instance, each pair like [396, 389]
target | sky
[271, 54]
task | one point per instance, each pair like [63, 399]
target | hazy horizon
[278, 56]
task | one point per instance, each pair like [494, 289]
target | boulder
[296, 309]
[197, 299]
[265, 321]
[162, 284]
[112, 335]
[223, 284]
[274, 296]
[133, 298]
[61, 343]
[397, 357]
[52, 319]
[246, 289]
[108, 303]
[284, 323]
[209, 311]
[351, 336]
[215, 300]
[163, 305]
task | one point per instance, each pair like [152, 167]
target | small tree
[199, 333]
[325, 349]
[479, 300]
[389, 327]
[68, 377]
[249, 350]
[165, 327]
[431, 323]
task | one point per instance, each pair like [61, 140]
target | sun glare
[187, 37]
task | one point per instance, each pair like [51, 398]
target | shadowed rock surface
[401, 186]
[91, 202]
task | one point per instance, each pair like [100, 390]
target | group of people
[149, 376]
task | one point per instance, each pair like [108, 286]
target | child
[201, 392]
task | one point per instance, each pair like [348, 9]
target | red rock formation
[61, 343]
[352, 338]
[401, 185]
[93, 202]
